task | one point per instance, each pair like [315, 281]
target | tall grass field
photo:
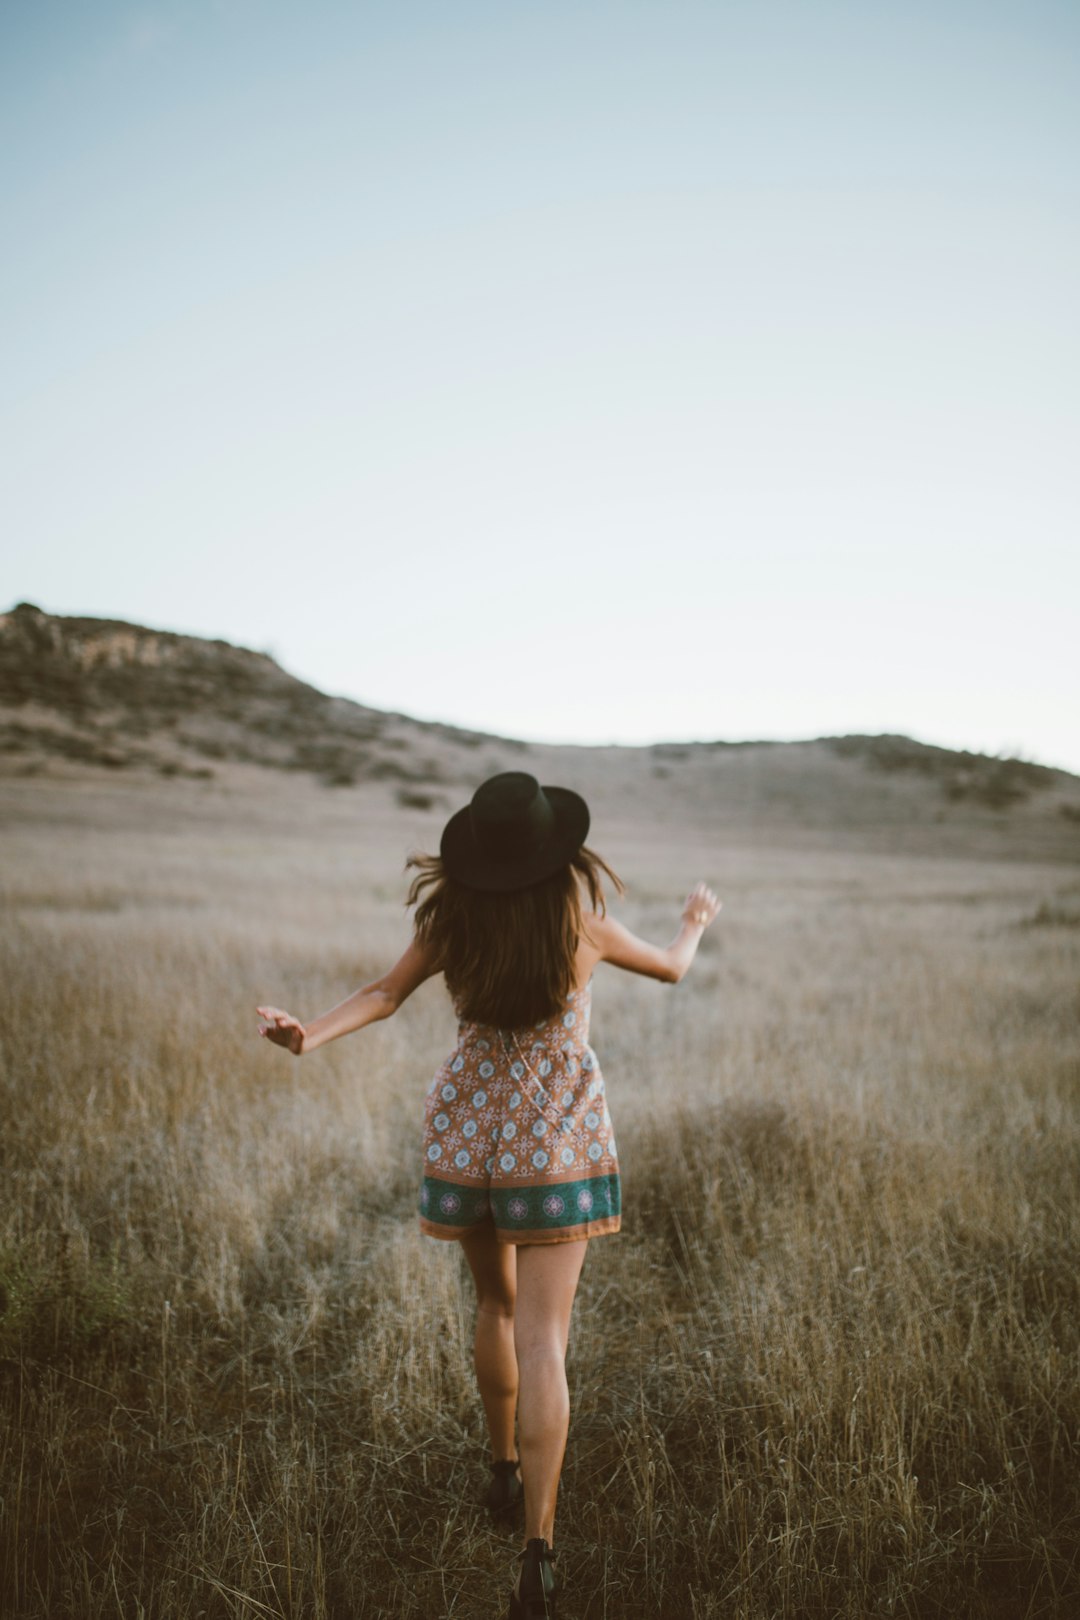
[828, 1368]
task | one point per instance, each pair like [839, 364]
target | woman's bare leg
[494, 1269]
[547, 1276]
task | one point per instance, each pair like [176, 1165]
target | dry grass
[829, 1367]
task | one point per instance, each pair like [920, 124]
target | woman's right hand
[282, 1028]
[700, 906]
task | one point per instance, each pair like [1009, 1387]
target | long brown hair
[508, 957]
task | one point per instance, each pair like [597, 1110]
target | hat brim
[468, 865]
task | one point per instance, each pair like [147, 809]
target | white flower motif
[517, 1209]
[553, 1204]
[584, 1200]
[449, 1203]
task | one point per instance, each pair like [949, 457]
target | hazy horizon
[555, 741]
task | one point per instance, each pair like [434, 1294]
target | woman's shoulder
[592, 944]
[595, 925]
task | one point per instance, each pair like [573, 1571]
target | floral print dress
[517, 1134]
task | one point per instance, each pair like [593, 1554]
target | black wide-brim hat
[514, 833]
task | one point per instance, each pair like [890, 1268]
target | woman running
[520, 1165]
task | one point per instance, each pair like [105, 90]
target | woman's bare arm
[616, 944]
[380, 999]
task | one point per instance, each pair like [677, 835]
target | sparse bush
[1048, 915]
[414, 799]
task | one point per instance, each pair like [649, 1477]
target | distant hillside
[80, 695]
[978, 778]
[106, 693]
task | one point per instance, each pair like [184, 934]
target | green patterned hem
[555, 1206]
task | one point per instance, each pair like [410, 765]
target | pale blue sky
[583, 372]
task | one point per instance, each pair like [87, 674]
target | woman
[519, 1155]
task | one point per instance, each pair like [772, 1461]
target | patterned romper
[517, 1134]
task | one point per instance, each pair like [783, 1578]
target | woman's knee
[540, 1346]
[498, 1302]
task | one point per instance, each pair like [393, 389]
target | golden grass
[828, 1368]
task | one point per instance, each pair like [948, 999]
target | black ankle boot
[534, 1597]
[506, 1492]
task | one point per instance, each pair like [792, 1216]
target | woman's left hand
[282, 1028]
[701, 906]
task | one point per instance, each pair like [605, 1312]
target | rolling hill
[83, 699]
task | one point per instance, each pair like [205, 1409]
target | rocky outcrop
[116, 694]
